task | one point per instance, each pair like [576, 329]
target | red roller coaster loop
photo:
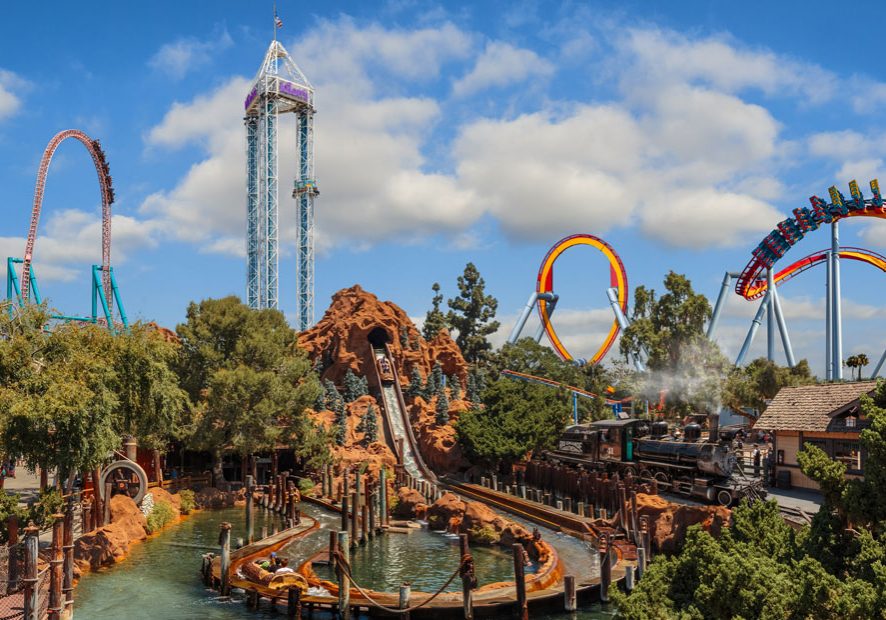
[107, 192]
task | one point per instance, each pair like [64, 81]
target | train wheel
[629, 470]
[662, 477]
[645, 474]
[724, 497]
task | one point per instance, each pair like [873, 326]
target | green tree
[340, 431]
[757, 383]
[472, 314]
[454, 387]
[331, 393]
[517, 418]
[404, 337]
[248, 379]
[442, 407]
[369, 424]
[58, 404]
[151, 404]
[416, 383]
[684, 361]
[354, 387]
[435, 320]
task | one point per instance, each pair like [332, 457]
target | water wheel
[126, 478]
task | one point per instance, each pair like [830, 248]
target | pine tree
[435, 320]
[437, 374]
[472, 388]
[353, 387]
[416, 385]
[320, 403]
[454, 388]
[369, 424]
[430, 386]
[332, 395]
[404, 336]
[472, 314]
[476, 384]
[442, 407]
[341, 422]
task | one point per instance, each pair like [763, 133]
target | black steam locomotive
[694, 466]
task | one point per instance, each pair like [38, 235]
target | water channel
[159, 580]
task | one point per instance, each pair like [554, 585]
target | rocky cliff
[355, 322]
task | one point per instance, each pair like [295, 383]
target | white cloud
[667, 56]
[71, 241]
[874, 233]
[180, 57]
[502, 64]
[11, 86]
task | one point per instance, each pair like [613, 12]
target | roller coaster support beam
[721, 298]
[879, 366]
[527, 310]
[770, 318]
[775, 306]
[837, 313]
[828, 321]
[549, 309]
[755, 325]
[612, 294]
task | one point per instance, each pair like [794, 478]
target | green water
[160, 579]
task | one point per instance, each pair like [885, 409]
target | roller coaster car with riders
[704, 468]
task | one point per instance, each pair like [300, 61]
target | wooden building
[826, 415]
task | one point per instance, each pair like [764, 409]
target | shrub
[8, 507]
[162, 514]
[187, 501]
[48, 503]
[305, 485]
[484, 535]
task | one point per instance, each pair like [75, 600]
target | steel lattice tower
[280, 87]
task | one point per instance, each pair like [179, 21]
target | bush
[187, 501]
[48, 503]
[8, 507]
[305, 485]
[162, 514]
[483, 535]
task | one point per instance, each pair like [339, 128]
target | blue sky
[446, 133]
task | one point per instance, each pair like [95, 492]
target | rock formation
[668, 521]
[478, 521]
[343, 340]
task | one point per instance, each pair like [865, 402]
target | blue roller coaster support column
[828, 321]
[549, 309]
[879, 366]
[782, 327]
[721, 298]
[98, 291]
[612, 294]
[119, 301]
[837, 312]
[770, 319]
[527, 310]
[575, 408]
[755, 325]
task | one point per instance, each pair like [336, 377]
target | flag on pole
[277, 21]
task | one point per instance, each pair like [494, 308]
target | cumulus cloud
[502, 64]
[178, 58]
[71, 241]
[11, 86]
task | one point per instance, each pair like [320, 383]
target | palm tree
[862, 362]
[852, 361]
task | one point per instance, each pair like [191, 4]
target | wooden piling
[224, 540]
[383, 497]
[645, 537]
[570, 600]
[333, 545]
[403, 602]
[250, 526]
[293, 602]
[56, 568]
[641, 562]
[635, 526]
[12, 542]
[345, 516]
[629, 578]
[520, 581]
[86, 515]
[29, 579]
[370, 501]
[68, 552]
[355, 516]
[344, 585]
[468, 579]
[364, 523]
[605, 569]
[106, 515]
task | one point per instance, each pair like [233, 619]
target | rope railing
[344, 565]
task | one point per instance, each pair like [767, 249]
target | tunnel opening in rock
[378, 337]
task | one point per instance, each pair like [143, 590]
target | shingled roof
[811, 407]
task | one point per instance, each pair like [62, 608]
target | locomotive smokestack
[714, 426]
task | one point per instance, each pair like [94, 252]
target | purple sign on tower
[251, 97]
[296, 93]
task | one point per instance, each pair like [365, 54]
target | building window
[850, 422]
[848, 452]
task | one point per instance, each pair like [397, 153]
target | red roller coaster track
[107, 192]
